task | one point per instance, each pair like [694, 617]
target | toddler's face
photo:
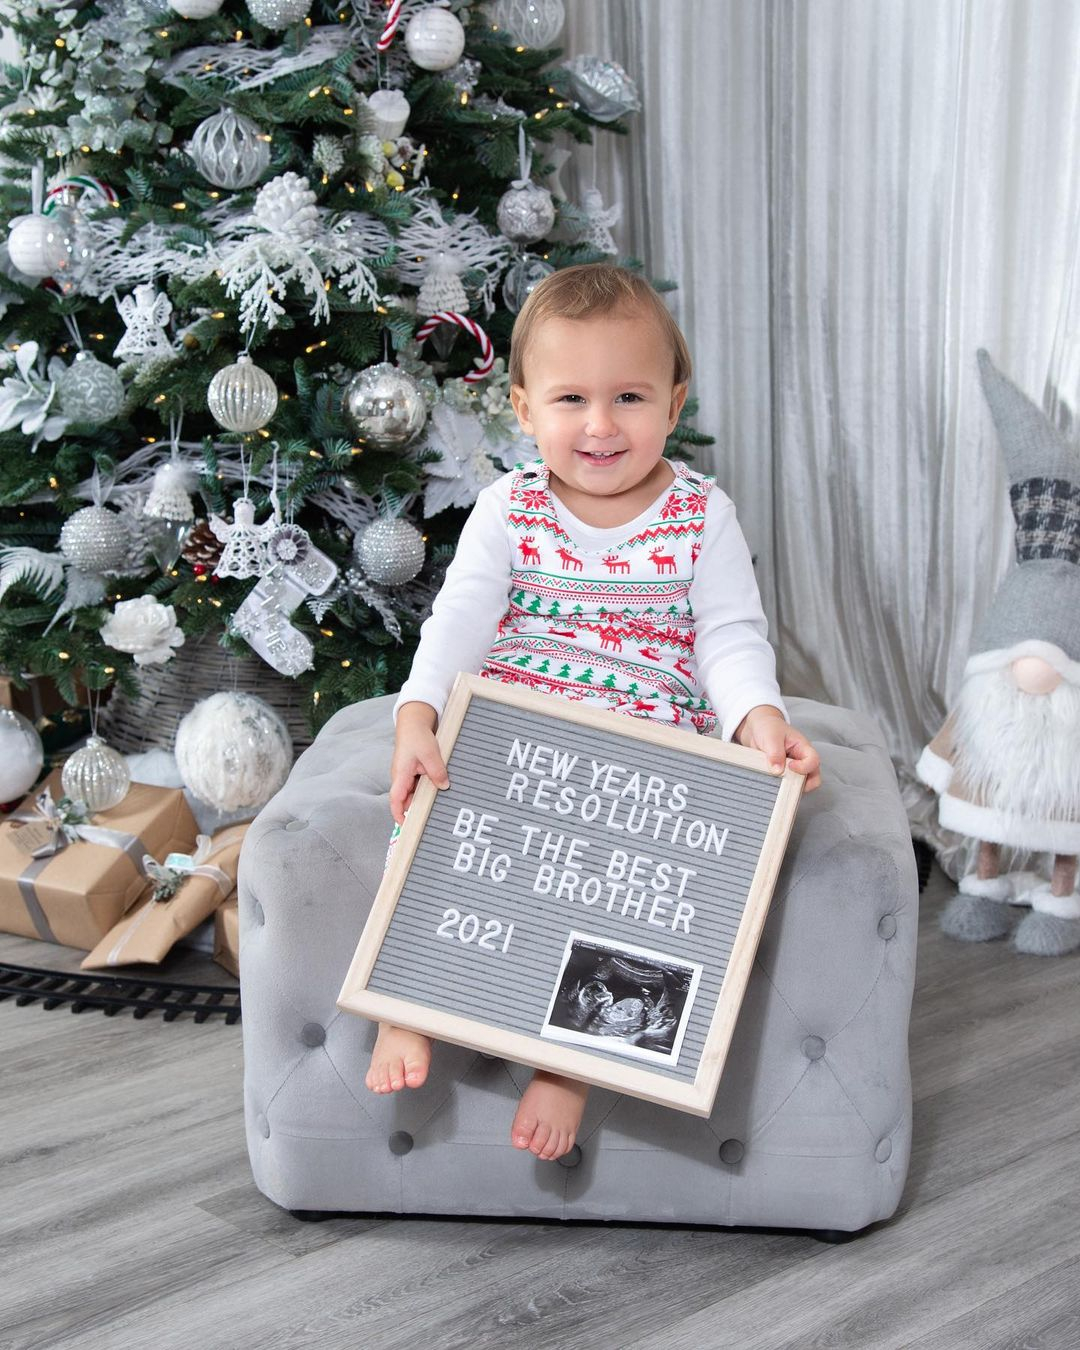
[599, 398]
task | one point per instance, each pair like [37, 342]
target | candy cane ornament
[392, 20]
[85, 184]
[484, 361]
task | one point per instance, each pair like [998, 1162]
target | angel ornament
[145, 314]
[245, 542]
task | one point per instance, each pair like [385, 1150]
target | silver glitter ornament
[384, 407]
[229, 150]
[525, 212]
[278, 14]
[531, 23]
[435, 38]
[391, 552]
[602, 88]
[242, 397]
[97, 775]
[90, 391]
[525, 274]
[95, 539]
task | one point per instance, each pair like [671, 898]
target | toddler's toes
[541, 1137]
[556, 1147]
[522, 1130]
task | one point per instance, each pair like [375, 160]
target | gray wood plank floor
[130, 1220]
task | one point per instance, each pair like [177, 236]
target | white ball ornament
[435, 38]
[97, 775]
[523, 277]
[391, 552]
[242, 397]
[95, 539]
[195, 9]
[233, 751]
[90, 392]
[526, 212]
[531, 23]
[229, 150]
[21, 755]
[39, 246]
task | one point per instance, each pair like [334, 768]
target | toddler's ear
[678, 398]
[520, 405]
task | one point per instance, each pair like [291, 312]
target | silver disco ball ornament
[97, 775]
[242, 397]
[391, 552]
[230, 150]
[21, 755]
[278, 14]
[602, 87]
[435, 38]
[90, 391]
[95, 539]
[531, 23]
[526, 212]
[384, 407]
[525, 274]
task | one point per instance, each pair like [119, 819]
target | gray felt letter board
[586, 896]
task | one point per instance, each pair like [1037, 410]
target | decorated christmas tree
[262, 265]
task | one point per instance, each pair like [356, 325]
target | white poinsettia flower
[144, 628]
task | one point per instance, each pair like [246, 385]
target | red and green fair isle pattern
[611, 627]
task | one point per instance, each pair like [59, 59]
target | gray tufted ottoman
[812, 1125]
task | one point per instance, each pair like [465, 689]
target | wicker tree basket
[198, 669]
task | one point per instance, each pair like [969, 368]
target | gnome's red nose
[1034, 675]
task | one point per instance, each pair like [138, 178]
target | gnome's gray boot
[1053, 926]
[974, 918]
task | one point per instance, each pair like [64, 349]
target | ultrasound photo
[623, 999]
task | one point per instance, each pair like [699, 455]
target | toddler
[600, 572]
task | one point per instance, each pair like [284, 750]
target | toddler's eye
[565, 398]
[628, 397]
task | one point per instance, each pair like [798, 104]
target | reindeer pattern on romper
[612, 627]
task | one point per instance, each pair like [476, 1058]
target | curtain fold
[853, 198]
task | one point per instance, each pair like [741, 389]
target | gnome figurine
[1006, 765]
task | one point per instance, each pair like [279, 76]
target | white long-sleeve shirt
[735, 662]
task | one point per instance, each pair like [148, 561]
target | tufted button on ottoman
[313, 1034]
[823, 962]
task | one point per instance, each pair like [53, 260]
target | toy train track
[111, 994]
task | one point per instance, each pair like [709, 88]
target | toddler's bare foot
[400, 1059]
[548, 1115]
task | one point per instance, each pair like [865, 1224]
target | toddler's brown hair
[588, 289]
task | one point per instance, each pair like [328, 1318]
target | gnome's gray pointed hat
[1037, 606]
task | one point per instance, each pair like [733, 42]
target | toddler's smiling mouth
[600, 456]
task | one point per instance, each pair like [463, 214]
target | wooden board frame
[695, 1098]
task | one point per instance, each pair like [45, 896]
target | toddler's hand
[416, 752]
[763, 728]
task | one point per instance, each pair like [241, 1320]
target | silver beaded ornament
[525, 274]
[531, 23]
[97, 775]
[229, 150]
[95, 539]
[391, 552]
[90, 391]
[242, 397]
[384, 407]
[278, 14]
[525, 212]
[602, 87]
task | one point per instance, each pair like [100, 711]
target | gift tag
[31, 836]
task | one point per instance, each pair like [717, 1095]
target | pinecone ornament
[287, 205]
[202, 548]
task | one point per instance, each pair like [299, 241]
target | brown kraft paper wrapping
[76, 896]
[148, 932]
[227, 936]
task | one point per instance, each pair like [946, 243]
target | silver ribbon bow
[169, 875]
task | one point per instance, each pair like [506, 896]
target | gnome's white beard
[1019, 752]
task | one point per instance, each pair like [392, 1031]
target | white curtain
[853, 198]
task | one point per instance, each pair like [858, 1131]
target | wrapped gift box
[149, 931]
[76, 895]
[227, 936]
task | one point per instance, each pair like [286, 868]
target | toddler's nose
[600, 425]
